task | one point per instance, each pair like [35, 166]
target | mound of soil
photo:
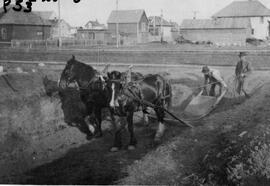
[230, 147]
[32, 129]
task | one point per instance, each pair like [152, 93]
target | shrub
[254, 41]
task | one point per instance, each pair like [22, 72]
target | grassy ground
[146, 54]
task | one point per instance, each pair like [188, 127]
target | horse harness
[139, 97]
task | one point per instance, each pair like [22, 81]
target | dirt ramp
[32, 129]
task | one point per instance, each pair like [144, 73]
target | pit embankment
[32, 128]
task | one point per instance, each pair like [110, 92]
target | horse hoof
[114, 149]
[98, 135]
[89, 137]
[157, 139]
[131, 147]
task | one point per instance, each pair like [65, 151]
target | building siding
[25, 32]
[65, 30]
[217, 36]
[131, 33]
[261, 28]
[128, 28]
[22, 32]
[9, 32]
[101, 37]
[144, 21]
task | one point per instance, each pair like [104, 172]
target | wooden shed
[132, 24]
[222, 31]
[22, 26]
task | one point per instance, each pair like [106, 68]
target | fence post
[98, 54]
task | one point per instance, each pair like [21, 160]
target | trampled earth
[55, 153]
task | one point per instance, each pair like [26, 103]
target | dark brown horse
[91, 85]
[125, 100]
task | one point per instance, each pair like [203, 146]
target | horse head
[115, 84]
[122, 89]
[68, 74]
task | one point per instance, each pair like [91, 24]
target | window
[4, 33]
[39, 33]
[143, 27]
[252, 31]
[262, 19]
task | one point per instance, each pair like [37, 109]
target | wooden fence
[65, 43]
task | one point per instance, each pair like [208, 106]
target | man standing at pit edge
[242, 70]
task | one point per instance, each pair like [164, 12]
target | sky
[78, 14]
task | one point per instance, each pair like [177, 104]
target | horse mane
[84, 71]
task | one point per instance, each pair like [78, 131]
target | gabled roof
[55, 23]
[94, 23]
[219, 23]
[157, 21]
[47, 15]
[126, 16]
[250, 8]
[20, 18]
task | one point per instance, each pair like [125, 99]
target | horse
[91, 85]
[131, 96]
[75, 111]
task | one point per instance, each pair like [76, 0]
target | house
[175, 30]
[66, 31]
[160, 27]
[254, 10]
[100, 36]
[222, 31]
[22, 26]
[132, 26]
[94, 25]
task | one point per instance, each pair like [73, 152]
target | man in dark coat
[242, 70]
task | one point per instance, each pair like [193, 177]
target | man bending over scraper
[213, 77]
[242, 70]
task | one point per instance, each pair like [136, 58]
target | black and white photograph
[135, 92]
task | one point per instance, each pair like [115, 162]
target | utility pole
[195, 14]
[117, 25]
[161, 26]
[59, 25]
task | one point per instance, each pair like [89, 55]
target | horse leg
[99, 120]
[145, 117]
[83, 127]
[88, 123]
[119, 128]
[161, 126]
[133, 140]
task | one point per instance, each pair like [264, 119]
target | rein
[147, 103]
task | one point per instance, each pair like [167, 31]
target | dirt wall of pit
[32, 128]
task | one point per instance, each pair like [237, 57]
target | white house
[160, 27]
[258, 14]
